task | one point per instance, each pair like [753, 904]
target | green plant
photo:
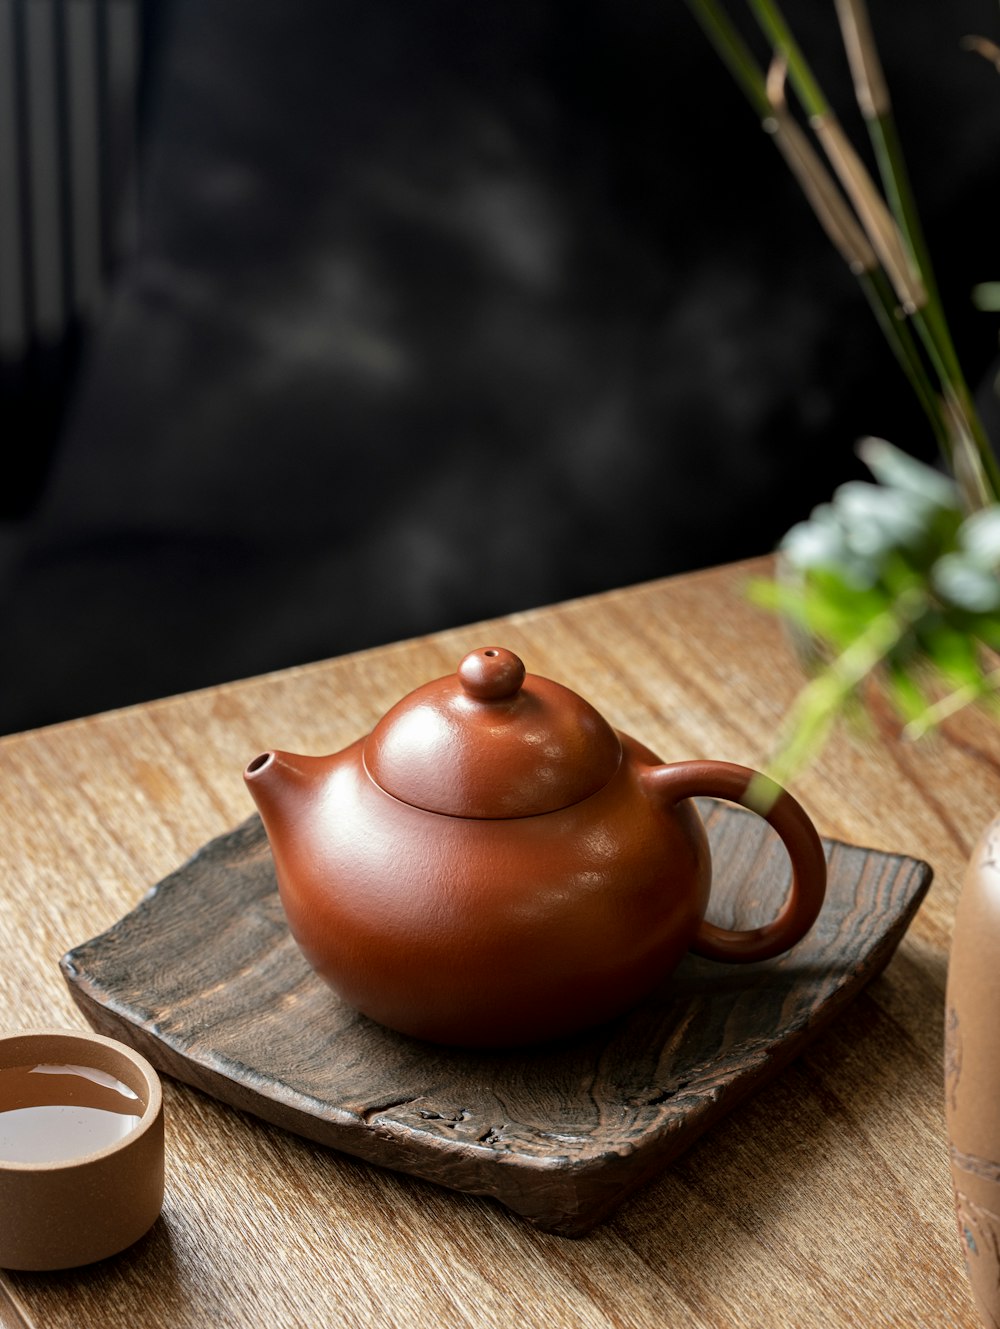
[901, 577]
[893, 577]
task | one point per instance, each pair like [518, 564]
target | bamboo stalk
[826, 200]
[897, 239]
[766, 96]
[870, 87]
[851, 242]
[872, 93]
[732, 51]
[978, 485]
[868, 203]
[887, 259]
[881, 299]
[875, 216]
[771, 19]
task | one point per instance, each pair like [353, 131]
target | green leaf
[963, 583]
[950, 651]
[979, 537]
[846, 610]
[899, 470]
[821, 606]
[986, 628]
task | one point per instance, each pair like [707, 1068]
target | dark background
[442, 310]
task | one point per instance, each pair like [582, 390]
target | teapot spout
[284, 785]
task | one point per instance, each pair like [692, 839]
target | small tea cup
[74, 1187]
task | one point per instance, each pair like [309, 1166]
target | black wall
[444, 310]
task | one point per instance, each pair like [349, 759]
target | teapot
[495, 865]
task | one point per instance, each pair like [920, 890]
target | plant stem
[733, 52]
[968, 452]
[820, 702]
[737, 58]
[875, 216]
[876, 107]
[897, 333]
[809, 92]
[900, 339]
[827, 202]
[895, 180]
[872, 95]
[931, 321]
[951, 705]
[896, 235]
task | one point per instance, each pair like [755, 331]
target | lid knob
[491, 673]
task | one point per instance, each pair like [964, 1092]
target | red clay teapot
[495, 865]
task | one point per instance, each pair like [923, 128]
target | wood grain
[825, 1201]
[204, 978]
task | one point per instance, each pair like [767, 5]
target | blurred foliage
[897, 579]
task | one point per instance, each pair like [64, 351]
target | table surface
[824, 1200]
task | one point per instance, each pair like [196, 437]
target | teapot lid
[492, 741]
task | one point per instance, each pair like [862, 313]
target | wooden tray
[205, 980]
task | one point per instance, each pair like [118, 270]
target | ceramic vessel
[972, 1071]
[85, 1206]
[494, 864]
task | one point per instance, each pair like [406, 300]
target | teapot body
[494, 864]
[490, 932]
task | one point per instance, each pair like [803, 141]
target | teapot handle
[722, 779]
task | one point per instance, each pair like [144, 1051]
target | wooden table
[825, 1200]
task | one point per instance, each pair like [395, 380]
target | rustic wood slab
[204, 979]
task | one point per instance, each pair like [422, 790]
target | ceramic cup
[63, 1212]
